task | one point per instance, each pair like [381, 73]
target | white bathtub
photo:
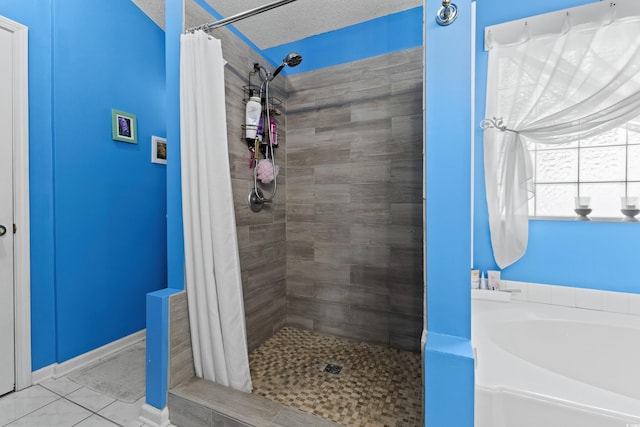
[541, 365]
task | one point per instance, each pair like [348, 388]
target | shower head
[292, 59]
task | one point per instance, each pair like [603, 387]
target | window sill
[591, 219]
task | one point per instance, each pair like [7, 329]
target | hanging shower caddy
[266, 136]
[274, 105]
[261, 136]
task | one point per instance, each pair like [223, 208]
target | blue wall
[448, 369]
[597, 255]
[36, 14]
[110, 202]
[391, 33]
[157, 351]
[380, 36]
[97, 206]
[175, 237]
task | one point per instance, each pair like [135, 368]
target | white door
[7, 343]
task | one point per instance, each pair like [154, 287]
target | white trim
[58, 370]
[151, 416]
[473, 126]
[22, 276]
[556, 22]
[43, 374]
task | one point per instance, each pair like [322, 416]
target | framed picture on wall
[124, 127]
[158, 150]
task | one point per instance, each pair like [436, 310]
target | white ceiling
[288, 23]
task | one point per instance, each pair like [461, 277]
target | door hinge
[15, 228]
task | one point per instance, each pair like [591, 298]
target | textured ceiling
[288, 23]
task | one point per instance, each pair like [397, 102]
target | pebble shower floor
[376, 386]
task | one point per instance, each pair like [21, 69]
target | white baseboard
[58, 370]
[43, 374]
[151, 416]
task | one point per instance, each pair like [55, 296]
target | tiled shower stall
[339, 251]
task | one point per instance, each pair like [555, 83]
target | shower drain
[333, 369]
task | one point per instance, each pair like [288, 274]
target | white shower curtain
[212, 266]
[552, 89]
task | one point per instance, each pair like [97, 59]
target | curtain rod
[240, 16]
[556, 22]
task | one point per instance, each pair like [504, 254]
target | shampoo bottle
[253, 112]
[273, 133]
[483, 282]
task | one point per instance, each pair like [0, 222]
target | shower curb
[199, 402]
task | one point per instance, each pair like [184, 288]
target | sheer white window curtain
[551, 89]
[212, 265]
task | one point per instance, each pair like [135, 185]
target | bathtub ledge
[484, 294]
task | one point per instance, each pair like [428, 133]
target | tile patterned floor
[63, 403]
[377, 386]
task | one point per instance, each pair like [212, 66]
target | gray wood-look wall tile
[407, 128]
[394, 148]
[406, 213]
[373, 194]
[348, 330]
[406, 342]
[316, 270]
[186, 413]
[370, 213]
[399, 236]
[300, 212]
[301, 175]
[354, 200]
[318, 309]
[332, 213]
[306, 118]
[410, 303]
[300, 322]
[319, 193]
[318, 232]
[181, 366]
[266, 275]
[266, 234]
[301, 287]
[297, 250]
[309, 157]
[299, 137]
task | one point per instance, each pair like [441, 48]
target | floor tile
[61, 386]
[377, 386]
[21, 403]
[96, 421]
[62, 402]
[60, 413]
[125, 414]
[90, 399]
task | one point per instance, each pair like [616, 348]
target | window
[604, 168]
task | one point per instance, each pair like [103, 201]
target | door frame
[21, 245]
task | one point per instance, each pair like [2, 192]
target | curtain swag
[552, 89]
